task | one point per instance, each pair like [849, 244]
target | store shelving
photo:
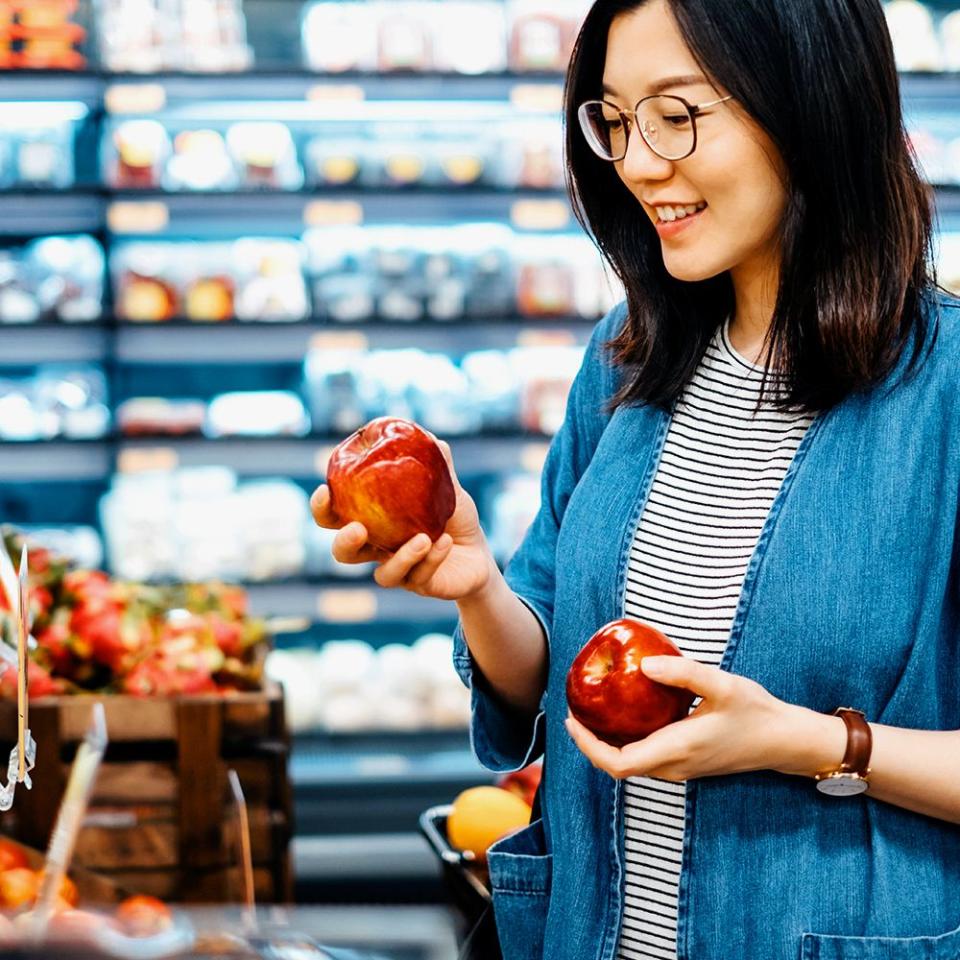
[29, 344]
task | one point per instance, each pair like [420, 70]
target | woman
[761, 456]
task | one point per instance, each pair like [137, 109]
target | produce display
[136, 924]
[392, 477]
[609, 693]
[96, 634]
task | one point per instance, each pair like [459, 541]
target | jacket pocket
[520, 877]
[823, 947]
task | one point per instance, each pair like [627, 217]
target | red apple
[523, 782]
[609, 693]
[392, 477]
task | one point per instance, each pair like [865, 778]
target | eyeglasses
[667, 123]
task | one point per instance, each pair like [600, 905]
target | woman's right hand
[457, 566]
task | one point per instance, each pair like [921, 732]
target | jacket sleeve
[502, 738]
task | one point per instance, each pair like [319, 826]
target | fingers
[602, 755]
[422, 572]
[447, 455]
[393, 571]
[350, 546]
[322, 508]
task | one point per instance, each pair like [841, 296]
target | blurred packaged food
[350, 687]
[56, 402]
[52, 278]
[146, 36]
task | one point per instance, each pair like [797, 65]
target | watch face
[842, 785]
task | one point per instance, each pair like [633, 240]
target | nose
[641, 163]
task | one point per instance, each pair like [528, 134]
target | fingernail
[445, 541]
[651, 666]
[421, 542]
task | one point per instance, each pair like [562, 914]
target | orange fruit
[483, 815]
[19, 887]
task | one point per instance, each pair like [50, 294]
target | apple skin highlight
[609, 693]
[392, 477]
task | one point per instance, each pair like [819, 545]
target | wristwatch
[850, 778]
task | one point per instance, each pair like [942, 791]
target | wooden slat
[202, 785]
[150, 718]
[143, 845]
[37, 810]
[135, 782]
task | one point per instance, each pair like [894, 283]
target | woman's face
[735, 169]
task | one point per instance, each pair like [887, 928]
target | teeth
[669, 214]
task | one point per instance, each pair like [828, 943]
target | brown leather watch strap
[856, 759]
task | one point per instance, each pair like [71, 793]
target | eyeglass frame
[629, 119]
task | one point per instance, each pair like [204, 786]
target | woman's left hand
[738, 726]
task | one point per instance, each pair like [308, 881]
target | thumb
[687, 673]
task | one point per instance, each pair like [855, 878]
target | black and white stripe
[721, 468]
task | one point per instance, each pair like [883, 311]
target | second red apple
[609, 693]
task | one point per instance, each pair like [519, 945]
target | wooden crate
[160, 820]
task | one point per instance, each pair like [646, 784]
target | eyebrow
[687, 80]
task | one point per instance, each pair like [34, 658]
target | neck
[755, 293]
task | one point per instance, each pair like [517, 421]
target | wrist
[484, 593]
[813, 742]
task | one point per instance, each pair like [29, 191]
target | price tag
[135, 217]
[540, 214]
[538, 97]
[347, 606]
[148, 460]
[327, 213]
[127, 98]
[546, 338]
[336, 91]
[340, 340]
[533, 456]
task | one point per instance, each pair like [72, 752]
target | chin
[690, 269]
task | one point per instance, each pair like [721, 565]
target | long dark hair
[819, 77]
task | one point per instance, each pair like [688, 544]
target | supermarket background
[230, 233]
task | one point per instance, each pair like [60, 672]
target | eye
[676, 120]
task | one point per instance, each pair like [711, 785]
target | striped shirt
[721, 468]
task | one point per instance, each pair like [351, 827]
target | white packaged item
[137, 521]
[259, 413]
[271, 538]
[292, 669]
[339, 37]
[404, 37]
[948, 261]
[950, 37]
[270, 280]
[512, 511]
[915, 41]
[494, 388]
[469, 37]
[200, 161]
[439, 394]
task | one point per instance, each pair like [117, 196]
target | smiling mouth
[674, 214]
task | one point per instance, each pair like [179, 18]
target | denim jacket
[851, 597]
